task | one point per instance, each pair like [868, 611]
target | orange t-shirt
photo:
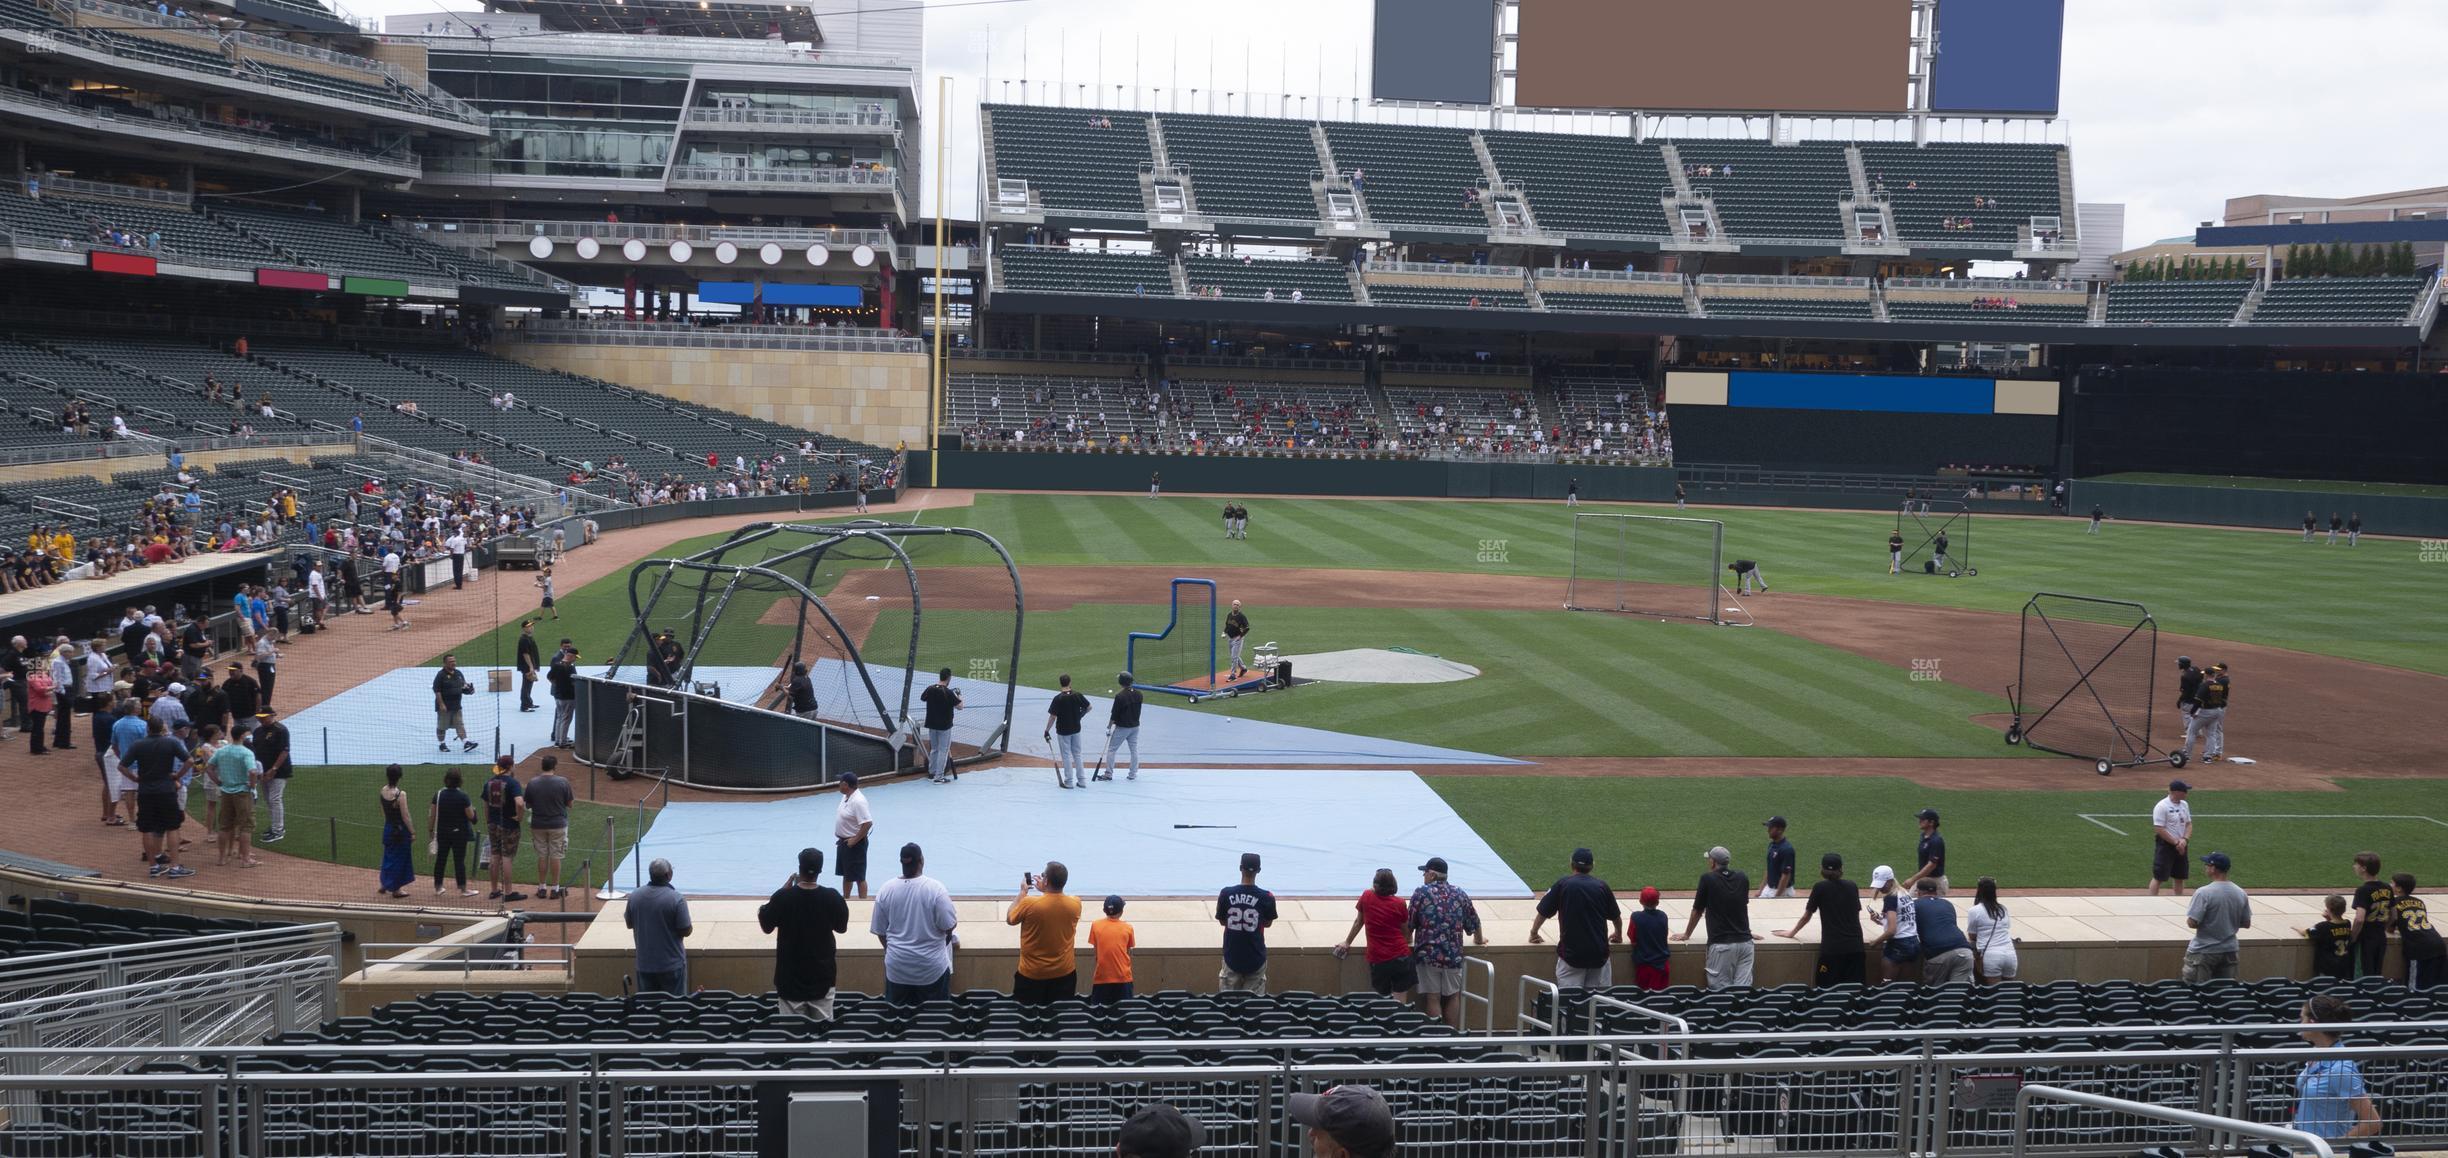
[1113, 941]
[1048, 923]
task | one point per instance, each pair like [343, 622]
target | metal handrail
[708, 114]
[2212, 1122]
[815, 176]
[103, 117]
[1763, 279]
[512, 955]
[1448, 269]
[1643, 276]
[514, 229]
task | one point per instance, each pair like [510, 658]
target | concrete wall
[196, 460]
[873, 398]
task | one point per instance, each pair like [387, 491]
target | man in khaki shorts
[548, 802]
[1440, 915]
[1246, 912]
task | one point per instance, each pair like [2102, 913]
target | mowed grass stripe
[1649, 709]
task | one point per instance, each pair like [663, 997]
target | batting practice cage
[1937, 538]
[699, 692]
[1179, 658]
[1647, 565]
[2083, 685]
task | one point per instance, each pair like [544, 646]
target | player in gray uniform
[2212, 715]
[2188, 698]
[1122, 724]
[2354, 528]
[2310, 524]
[1747, 573]
[2336, 524]
[1236, 633]
[1228, 520]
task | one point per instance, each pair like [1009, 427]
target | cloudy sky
[2171, 106]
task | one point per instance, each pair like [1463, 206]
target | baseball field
[1858, 698]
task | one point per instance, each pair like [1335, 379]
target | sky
[2170, 106]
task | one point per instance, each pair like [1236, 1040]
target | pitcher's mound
[1379, 665]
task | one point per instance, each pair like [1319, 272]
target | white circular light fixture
[633, 249]
[539, 247]
[681, 251]
[770, 253]
[726, 253]
[864, 255]
[818, 255]
[588, 247]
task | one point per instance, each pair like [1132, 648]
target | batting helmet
[2184, 661]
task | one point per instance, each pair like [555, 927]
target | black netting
[1647, 565]
[2084, 687]
[1179, 654]
[1938, 532]
[737, 631]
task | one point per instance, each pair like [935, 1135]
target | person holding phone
[1049, 924]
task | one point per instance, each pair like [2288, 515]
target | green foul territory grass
[2377, 602]
[1557, 684]
[334, 816]
[2024, 839]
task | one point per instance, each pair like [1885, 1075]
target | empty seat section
[1413, 175]
[1585, 186]
[1068, 160]
[326, 243]
[1765, 190]
[2197, 303]
[1249, 167]
[1842, 309]
[1931, 185]
[1081, 271]
[1318, 281]
[183, 234]
[1448, 298]
[2004, 308]
[1580, 302]
[2351, 300]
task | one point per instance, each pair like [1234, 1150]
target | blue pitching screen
[1998, 56]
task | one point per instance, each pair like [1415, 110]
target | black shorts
[1396, 976]
[158, 812]
[850, 860]
[2167, 864]
[1029, 991]
[1108, 992]
[1838, 969]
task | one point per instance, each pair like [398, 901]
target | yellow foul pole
[937, 403]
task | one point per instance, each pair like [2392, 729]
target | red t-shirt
[1384, 918]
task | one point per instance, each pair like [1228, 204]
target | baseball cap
[1928, 814]
[1773, 822]
[1881, 877]
[1249, 862]
[1158, 1131]
[1834, 860]
[1356, 1117]
[1649, 895]
[911, 852]
[2179, 786]
[1583, 858]
[177, 689]
[2219, 861]
[2218, 667]
[850, 778]
[2184, 661]
[811, 862]
[1436, 864]
[1113, 903]
[1719, 855]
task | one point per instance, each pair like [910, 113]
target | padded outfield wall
[2263, 423]
[1865, 423]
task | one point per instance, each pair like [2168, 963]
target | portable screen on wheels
[1937, 536]
[1178, 657]
[2084, 683]
[1647, 565]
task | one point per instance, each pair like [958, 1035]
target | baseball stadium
[1583, 610]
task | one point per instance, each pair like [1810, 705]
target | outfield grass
[1556, 684]
[1654, 831]
[346, 794]
[2242, 482]
[2375, 602]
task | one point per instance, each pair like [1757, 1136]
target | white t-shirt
[850, 814]
[456, 544]
[2176, 816]
[391, 563]
[1992, 939]
[915, 917]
